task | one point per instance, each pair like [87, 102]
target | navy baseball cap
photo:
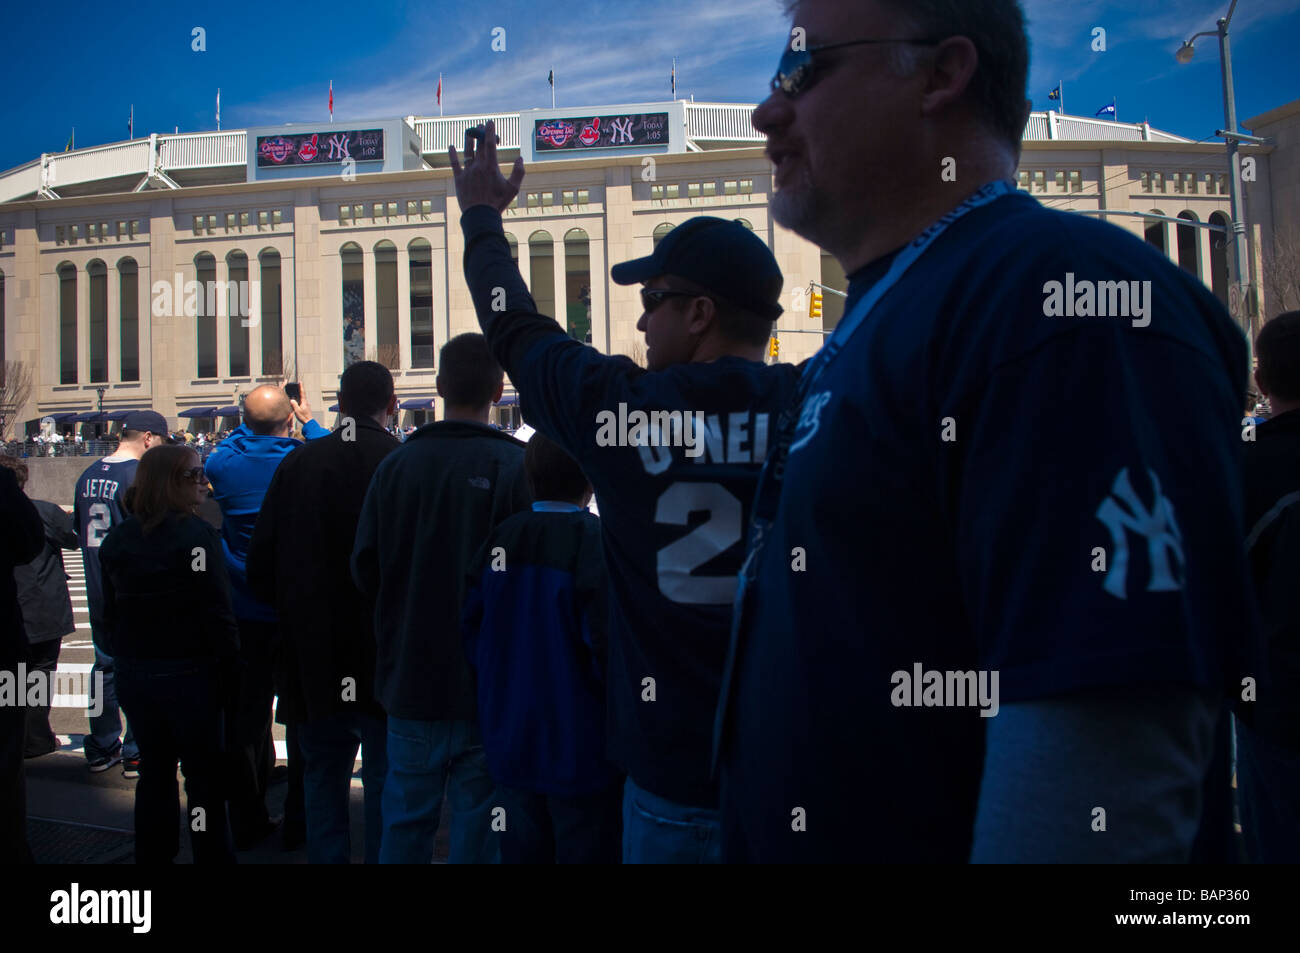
[722, 256]
[149, 420]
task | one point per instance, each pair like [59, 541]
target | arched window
[1219, 256]
[97, 272]
[1189, 244]
[67, 323]
[1154, 231]
[238, 311]
[541, 271]
[660, 232]
[514, 247]
[388, 349]
[128, 309]
[577, 284]
[354, 304]
[272, 330]
[746, 222]
[421, 267]
[205, 270]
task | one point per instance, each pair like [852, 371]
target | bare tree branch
[16, 384]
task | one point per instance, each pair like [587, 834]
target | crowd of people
[757, 652]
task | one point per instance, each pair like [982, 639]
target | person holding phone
[240, 470]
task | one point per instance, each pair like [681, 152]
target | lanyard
[769, 488]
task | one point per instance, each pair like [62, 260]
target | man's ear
[437, 385]
[501, 389]
[704, 313]
[392, 405]
[949, 73]
[1263, 391]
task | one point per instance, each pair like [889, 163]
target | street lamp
[1240, 270]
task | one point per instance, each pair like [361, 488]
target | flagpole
[552, 87]
[331, 100]
[218, 109]
[439, 94]
[1061, 87]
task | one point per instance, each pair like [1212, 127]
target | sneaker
[130, 767]
[104, 762]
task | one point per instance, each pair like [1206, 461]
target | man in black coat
[298, 561]
[1268, 725]
[46, 607]
[430, 506]
[20, 542]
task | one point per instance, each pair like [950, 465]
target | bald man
[240, 470]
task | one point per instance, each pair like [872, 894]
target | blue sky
[273, 61]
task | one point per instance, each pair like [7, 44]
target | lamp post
[100, 406]
[1240, 269]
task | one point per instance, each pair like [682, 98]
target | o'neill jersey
[674, 457]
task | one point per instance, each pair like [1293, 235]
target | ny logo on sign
[622, 130]
[1157, 525]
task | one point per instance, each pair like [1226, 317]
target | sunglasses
[196, 475]
[797, 69]
[652, 298]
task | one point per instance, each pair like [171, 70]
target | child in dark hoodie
[534, 626]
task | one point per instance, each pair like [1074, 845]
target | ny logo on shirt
[1157, 525]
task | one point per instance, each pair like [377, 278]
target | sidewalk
[75, 817]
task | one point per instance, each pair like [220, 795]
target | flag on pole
[550, 78]
[1108, 111]
[331, 100]
[130, 124]
[72, 139]
[439, 94]
[674, 79]
[218, 108]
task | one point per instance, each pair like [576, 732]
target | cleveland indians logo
[308, 150]
[277, 149]
[557, 132]
[590, 133]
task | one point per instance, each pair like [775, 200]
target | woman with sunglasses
[170, 672]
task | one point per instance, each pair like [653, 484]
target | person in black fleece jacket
[430, 505]
[175, 642]
[535, 623]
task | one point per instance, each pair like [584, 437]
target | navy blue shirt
[97, 508]
[673, 518]
[975, 485]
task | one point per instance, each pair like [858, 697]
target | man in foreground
[1012, 627]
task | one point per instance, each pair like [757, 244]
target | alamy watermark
[934, 689]
[40, 689]
[1098, 299]
[219, 298]
[654, 428]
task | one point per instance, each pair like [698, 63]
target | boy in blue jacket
[534, 628]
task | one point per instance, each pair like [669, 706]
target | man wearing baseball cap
[96, 508]
[674, 454]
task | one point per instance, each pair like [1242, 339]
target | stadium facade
[179, 271]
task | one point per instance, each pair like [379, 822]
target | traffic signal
[815, 305]
[774, 348]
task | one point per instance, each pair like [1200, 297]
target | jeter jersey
[97, 508]
[982, 482]
[673, 517]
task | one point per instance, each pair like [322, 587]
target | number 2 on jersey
[101, 520]
[721, 531]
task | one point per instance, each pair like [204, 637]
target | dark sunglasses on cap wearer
[196, 475]
[652, 298]
[798, 68]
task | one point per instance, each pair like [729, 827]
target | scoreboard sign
[600, 132]
[317, 148]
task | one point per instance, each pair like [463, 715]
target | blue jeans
[424, 758]
[659, 831]
[106, 727]
[329, 750]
